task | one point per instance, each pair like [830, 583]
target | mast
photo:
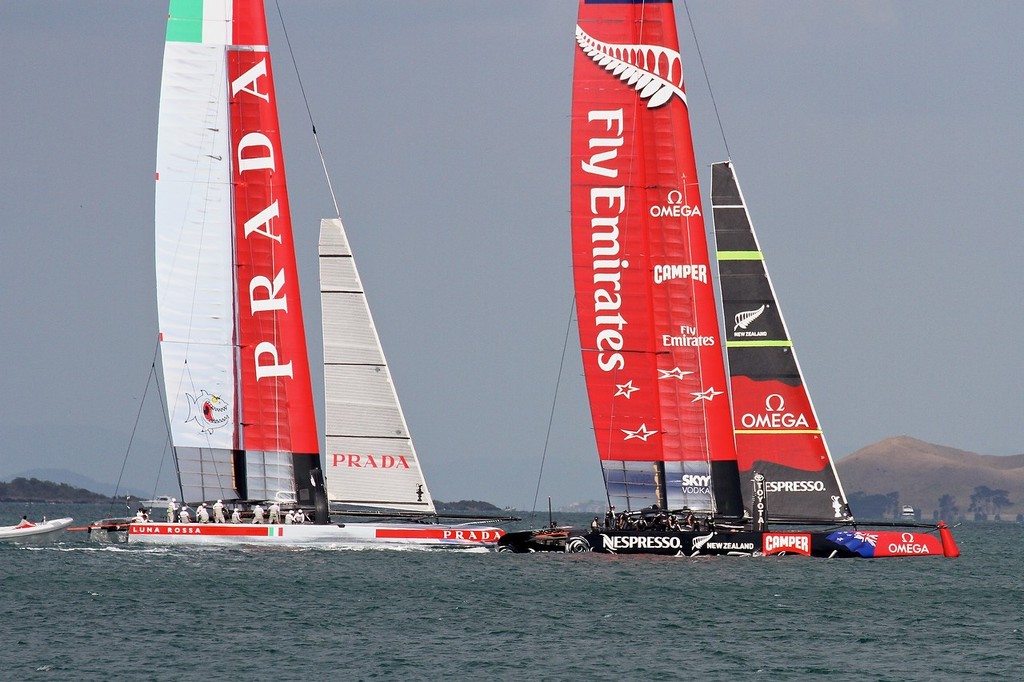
[648, 321]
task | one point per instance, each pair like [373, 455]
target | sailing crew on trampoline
[183, 514]
[202, 514]
[257, 514]
[170, 510]
[275, 512]
[236, 516]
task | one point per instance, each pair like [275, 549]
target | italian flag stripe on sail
[198, 21]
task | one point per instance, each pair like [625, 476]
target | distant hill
[22, 489]
[466, 505]
[34, 490]
[71, 478]
[921, 474]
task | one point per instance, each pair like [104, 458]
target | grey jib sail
[370, 458]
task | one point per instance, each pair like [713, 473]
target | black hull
[538, 540]
[825, 544]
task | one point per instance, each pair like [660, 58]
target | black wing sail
[777, 430]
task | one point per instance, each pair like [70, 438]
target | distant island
[34, 490]
[466, 505]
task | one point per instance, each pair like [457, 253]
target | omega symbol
[774, 403]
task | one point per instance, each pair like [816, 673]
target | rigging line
[159, 471]
[554, 401]
[707, 79]
[309, 113]
[138, 418]
[162, 394]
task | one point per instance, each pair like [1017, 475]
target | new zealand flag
[856, 541]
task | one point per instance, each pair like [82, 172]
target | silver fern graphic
[653, 71]
[744, 319]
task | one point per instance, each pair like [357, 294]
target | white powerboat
[44, 531]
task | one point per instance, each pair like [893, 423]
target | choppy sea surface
[78, 610]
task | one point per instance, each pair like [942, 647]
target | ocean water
[78, 610]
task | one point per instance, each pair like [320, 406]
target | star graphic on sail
[674, 373]
[642, 433]
[625, 389]
[708, 395]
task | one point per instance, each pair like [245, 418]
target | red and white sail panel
[233, 351]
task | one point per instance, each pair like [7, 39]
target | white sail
[370, 459]
[195, 288]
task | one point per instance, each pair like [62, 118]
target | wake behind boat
[27, 532]
[233, 358]
[700, 456]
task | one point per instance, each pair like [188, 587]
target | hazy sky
[880, 146]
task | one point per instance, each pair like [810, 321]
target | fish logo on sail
[655, 72]
[744, 319]
[209, 411]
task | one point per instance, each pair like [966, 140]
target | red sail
[276, 394]
[648, 325]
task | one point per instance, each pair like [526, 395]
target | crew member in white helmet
[218, 512]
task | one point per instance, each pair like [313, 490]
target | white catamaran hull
[47, 531]
[356, 535]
